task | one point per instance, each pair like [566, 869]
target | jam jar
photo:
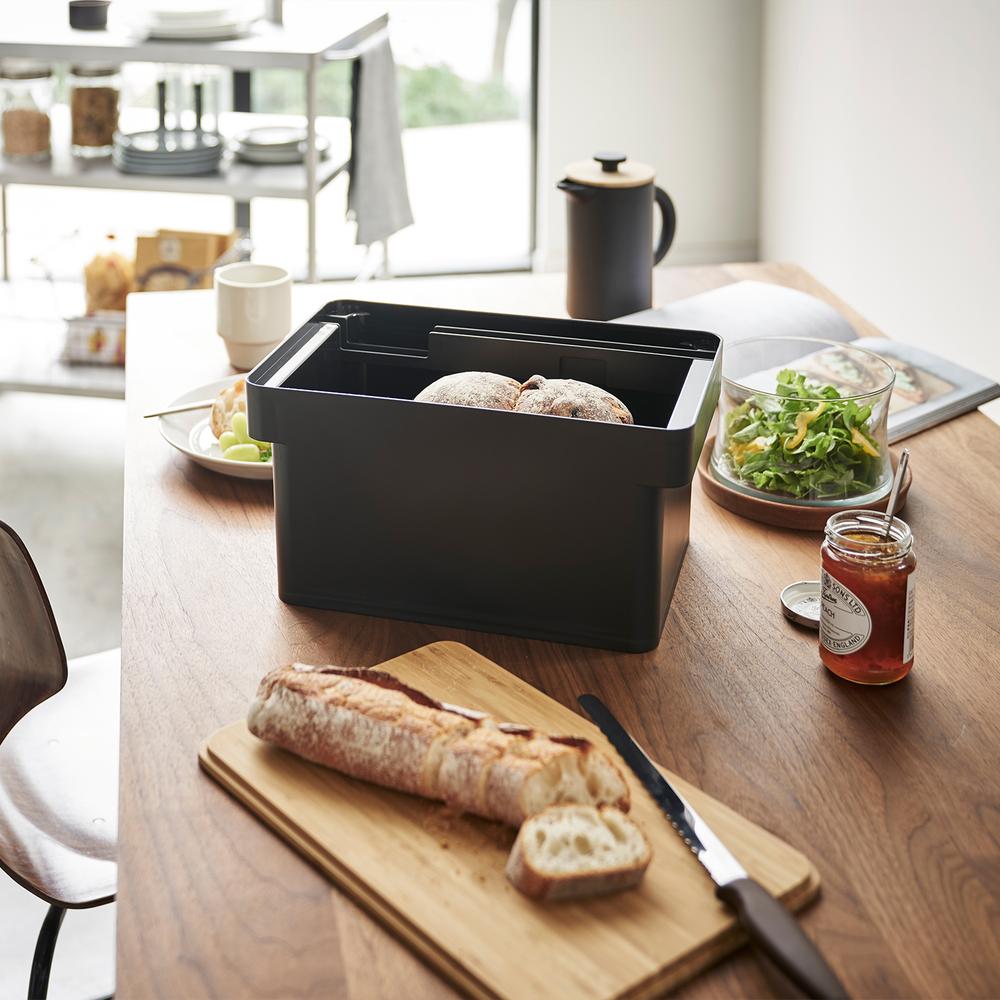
[867, 598]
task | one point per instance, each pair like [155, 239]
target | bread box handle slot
[305, 351]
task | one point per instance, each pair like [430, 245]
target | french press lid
[610, 170]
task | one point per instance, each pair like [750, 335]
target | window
[465, 83]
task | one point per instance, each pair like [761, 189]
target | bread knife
[766, 921]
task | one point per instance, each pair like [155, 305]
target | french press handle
[668, 225]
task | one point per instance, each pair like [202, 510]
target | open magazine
[928, 390]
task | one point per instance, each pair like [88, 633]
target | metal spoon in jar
[890, 508]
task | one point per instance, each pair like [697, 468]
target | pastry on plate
[231, 400]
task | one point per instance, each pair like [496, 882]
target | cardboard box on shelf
[172, 259]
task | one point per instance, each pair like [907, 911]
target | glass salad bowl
[803, 422]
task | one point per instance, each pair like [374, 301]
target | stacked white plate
[276, 144]
[168, 152]
[199, 20]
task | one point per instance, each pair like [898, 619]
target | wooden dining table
[893, 793]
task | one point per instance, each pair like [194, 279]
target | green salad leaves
[805, 442]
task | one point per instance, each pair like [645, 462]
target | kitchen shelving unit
[30, 349]
[311, 36]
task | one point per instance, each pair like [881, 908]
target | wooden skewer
[200, 404]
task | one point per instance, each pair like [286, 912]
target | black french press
[609, 215]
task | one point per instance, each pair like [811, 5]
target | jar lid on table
[800, 603]
[24, 69]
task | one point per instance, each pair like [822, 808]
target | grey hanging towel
[377, 198]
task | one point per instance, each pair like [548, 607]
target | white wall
[673, 83]
[880, 168]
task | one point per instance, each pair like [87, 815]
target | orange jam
[867, 598]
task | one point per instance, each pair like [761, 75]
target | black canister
[609, 216]
[89, 15]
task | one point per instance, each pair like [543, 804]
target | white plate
[252, 154]
[190, 433]
[165, 169]
[170, 142]
[125, 168]
[272, 137]
[166, 161]
[220, 33]
[213, 13]
[274, 161]
[270, 161]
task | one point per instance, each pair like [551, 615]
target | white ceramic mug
[253, 310]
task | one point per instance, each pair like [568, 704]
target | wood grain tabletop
[893, 793]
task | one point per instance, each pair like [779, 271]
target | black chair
[58, 758]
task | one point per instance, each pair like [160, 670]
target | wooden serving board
[437, 880]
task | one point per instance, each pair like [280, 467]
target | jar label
[911, 594]
[845, 624]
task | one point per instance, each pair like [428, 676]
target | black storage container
[543, 526]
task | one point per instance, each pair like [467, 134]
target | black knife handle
[778, 934]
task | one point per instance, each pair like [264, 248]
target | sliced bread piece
[574, 851]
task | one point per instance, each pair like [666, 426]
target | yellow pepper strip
[863, 443]
[802, 422]
[739, 451]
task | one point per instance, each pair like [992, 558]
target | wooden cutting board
[437, 880]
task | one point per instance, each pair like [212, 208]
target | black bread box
[541, 526]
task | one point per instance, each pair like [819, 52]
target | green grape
[227, 439]
[239, 425]
[242, 453]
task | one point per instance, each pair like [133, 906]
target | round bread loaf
[496, 392]
[565, 397]
[231, 400]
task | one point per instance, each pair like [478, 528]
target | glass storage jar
[867, 598]
[803, 421]
[94, 97]
[26, 96]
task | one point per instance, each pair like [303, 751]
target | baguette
[574, 851]
[370, 725]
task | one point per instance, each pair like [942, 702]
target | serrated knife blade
[768, 924]
[693, 830]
